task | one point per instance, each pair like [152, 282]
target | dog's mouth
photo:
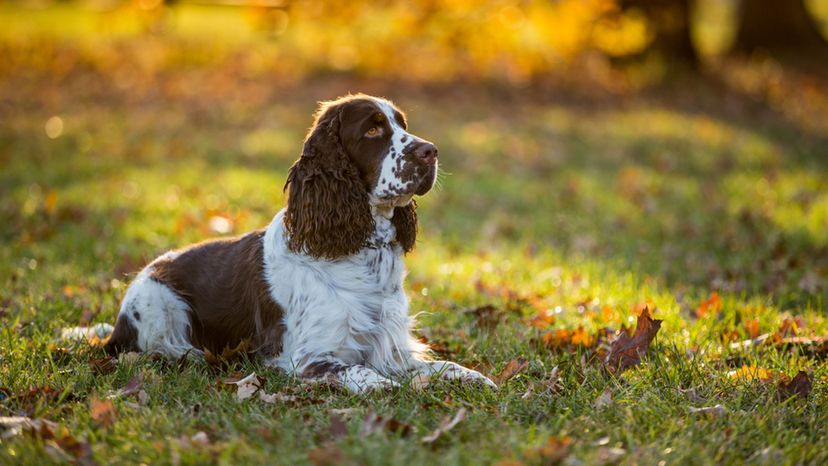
[426, 180]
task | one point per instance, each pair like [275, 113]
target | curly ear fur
[405, 222]
[327, 215]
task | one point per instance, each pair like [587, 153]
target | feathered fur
[327, 215]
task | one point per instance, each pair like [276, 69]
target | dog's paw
[453, 371]
[359, 379]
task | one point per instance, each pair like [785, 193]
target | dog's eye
[373, 132]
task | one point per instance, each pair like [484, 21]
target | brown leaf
[512, 369]
[800, 386]
[604, 399]
[445, 426]
[103, 366]
[555, 450]
[246, 387]
[61, 442]
[609, 455]
[374, 423]
[626, 351]
[326, 455]
[338, 429]
[227, 355]
[102, 412]
[135, 386]
[486, 317]
[815, 347]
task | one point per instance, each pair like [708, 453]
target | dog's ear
[405, 222]
[328, 214]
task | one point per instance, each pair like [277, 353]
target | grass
[583, 206]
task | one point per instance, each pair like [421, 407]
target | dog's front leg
[357, 378]
[451, 371]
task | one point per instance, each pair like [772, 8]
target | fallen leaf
[555, 450]
[580, 337]
[374, 423]
[542, 319]
[487, 317]
[752, 328]
[274, 397]
[327, 455]
[246, 387]
[135, 386]
[800, 386]
[102, 412]
[604, 399]
[751, 373]
[692, 395]
[445, 426]
[626, 351]
[711, 305]
[512, 369]
[338, 429]
[15, 425]
[103, 366]
[609, 455]
[61, 445]
[716, 410]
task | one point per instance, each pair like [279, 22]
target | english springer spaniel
[319, 292]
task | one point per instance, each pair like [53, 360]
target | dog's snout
[427, 152]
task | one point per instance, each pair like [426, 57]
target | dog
[319, 292]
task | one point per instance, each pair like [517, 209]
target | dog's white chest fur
[351, 309]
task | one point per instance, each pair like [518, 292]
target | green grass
[546, 201]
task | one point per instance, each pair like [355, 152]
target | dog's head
[358, 160]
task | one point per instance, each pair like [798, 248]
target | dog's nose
[427, 152]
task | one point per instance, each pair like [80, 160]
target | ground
[558, 214]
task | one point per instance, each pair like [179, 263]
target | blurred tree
[669, 21]
[779, 27]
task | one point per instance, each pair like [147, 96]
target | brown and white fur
[319, 292]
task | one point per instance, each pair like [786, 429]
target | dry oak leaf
[555, 450]
[326, 455]
[709, 305]
[373, 423]
[800, 386]
[246, 387]
[338, 429]
[59, 443]
[626, 350]
[445, 426]
[103, 366]
[102, 412]
[751, 373]
[135, 386]
[512, 369]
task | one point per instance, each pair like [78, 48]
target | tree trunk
[670, 20]
[778, 27]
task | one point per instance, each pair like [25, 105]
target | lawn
[560, 214]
